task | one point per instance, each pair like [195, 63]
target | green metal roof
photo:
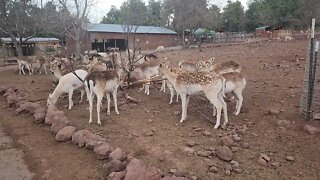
[263, 27]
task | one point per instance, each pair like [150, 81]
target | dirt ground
[152, 132]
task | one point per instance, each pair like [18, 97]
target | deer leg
[108, 100]
[70, 98]
[114, 95]
[183, 105]
[99, 99]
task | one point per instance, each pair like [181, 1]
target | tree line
[24, 19]
[192, 14]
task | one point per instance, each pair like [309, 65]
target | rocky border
[118, 166]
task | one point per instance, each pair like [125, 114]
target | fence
[310, 100]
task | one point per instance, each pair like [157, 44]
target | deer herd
[101, 74]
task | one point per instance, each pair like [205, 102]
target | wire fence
[310, 101]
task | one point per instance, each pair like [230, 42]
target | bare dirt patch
[151, 131]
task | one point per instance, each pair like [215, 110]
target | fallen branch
[140, 82]
[129, 98]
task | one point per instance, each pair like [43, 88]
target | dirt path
[45, 157]
[12, 165]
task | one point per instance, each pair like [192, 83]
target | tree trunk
[17, 45]
[78, 47]
[183, 39]
[18, 49]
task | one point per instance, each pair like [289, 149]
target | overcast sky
[102, 7]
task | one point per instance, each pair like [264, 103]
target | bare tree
[75, 27]
[19, 19]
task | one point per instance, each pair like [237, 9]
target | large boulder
[93, 140]
[52, 116]
[59, 124]
[65, 133]
[27, 107]
[87, 139]
[137, 170]
[114, 166]
[227, 141]
[39, 115]
[13, 99]
[117, 154]
[224, 153]
[103, 150]
[80, 137]
[117, 175]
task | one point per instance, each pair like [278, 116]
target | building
[32, 47]
[103, 36]
[263, 31]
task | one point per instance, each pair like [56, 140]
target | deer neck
[57, 73]
[172, 78]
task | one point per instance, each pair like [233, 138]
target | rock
[237, 171]
[290, 158]
[57, 125]
[150, 133]
[316, 116]
[228, 167]
[224, 153]
[53, 116]
[311, 129]
[265, 157]
[191, 143]
[176, 113]
[234, 149]
[275, 164]
[235, 164]
[151, 173]
[173, 178]
[227, 141]
[114, 166]
[117, 175]
[227, 173]
[236, 137]
[93, 140]
[103, 150]
[197, 129]
[262, 161]
[180, 173]
[214, 169]
[27, 107]
[188, 151]
[194, 178]
[13, 99]
[137, 170]
[3, 89]
[65, 133]
[204, 153]
[206, 133]
[172, 171]
[161, 159]
[283, 123]
[117, 154]
[80, 137]
[273, 112]
[39, 115]
[245, 145]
